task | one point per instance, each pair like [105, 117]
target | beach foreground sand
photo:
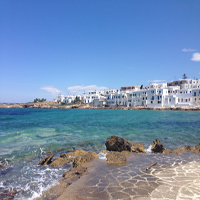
[174, 177]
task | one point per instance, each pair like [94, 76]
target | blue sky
[47, 47]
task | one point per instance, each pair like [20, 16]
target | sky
[73, 46]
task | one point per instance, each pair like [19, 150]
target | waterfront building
[185, 92]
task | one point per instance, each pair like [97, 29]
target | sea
[27, 135]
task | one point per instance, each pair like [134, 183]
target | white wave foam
[102, 156]
[148, 150]
[42, 150]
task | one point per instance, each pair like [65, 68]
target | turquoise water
[27, 135]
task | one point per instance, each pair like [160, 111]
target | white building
[159, 95]
[59, 98]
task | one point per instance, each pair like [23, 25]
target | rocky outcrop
[59, 162]
[137, 147]
[115, 143]
[83, 158]
[114, 157]
[187, 148]
[73, 154]
[74, 172]
[46, 160]
[196, 149]
[157, 146]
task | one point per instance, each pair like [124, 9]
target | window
[169, 100]
[181, 100]
[151, 101]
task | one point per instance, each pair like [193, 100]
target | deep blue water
[26, 135]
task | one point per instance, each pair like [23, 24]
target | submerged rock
[115, 158]
[115, 143]
[157, 146]
[59, 162]
[83, 158]
[46, 160]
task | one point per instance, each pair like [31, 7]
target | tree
[77, 100]
[184, 76]
[39, 100]
[141, 87]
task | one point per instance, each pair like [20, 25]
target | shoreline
[53, 105]
[165, 175]
[173, 176]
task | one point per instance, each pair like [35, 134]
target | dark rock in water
[83, 158]
[137, 147]
[8, 194]
[157, 146]
[46, 160]
[115, 143]
[115, 158]
[59, 162]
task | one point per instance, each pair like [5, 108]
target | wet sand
[174, 177]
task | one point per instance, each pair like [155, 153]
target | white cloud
[156, 81]
[196, 57]
[188, 50]
[50, 89]
[79, 89]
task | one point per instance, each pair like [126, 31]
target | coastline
[53, 105]
[173, 176]
[141, 176]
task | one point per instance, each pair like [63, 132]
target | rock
[74, 172]
[59, 162]
[73, 154]
[115, 143]
[196, 149]
[8, 194]
[186, 148]
[157, 146]
[137, 147]
[115, 158]
[46, 160]
[168, 151]
[83, 158]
